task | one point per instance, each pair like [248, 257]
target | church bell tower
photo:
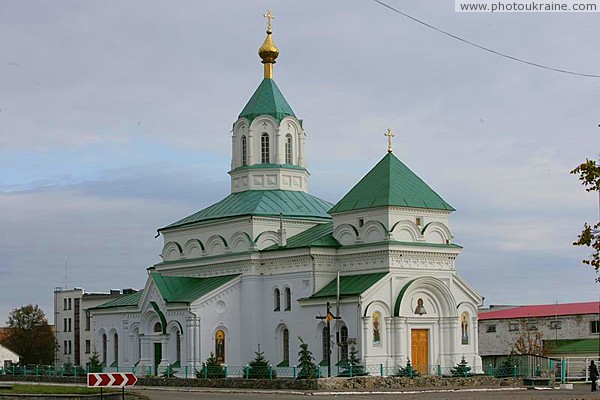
[268, 139]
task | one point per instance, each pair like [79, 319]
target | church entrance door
[157, 356]
[420, 350]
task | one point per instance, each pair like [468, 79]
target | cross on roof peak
[389, 135]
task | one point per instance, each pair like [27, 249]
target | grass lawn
[52, 389]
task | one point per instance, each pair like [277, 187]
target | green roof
[317, 236]
[352, 285]
[289, 203]
[391, 183]
[267, 100]
[180, 289]
[129, 300]
[567, 346]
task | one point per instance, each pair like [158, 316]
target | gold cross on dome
[389, 135]
[269, 16]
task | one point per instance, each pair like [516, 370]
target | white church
[259, 266]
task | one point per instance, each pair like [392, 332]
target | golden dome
[268, 52]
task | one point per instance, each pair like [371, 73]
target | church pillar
[400, 343]
[197, 360]
[301, 138]
[279, 147]
[250, 147]
[146, 351]
[189, 341]
[124, 346]
[389, 343]
[365, 338]
[449, 326]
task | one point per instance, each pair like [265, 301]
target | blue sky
[115, 120]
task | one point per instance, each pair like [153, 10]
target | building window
[70, 348]
[361, 222]
[325, 339]
[264, 148]
[532, 326]
[116, 347]
[244, 150]
[491, 328]
[178, 347]
[69, 304]
[69, 324]
[277, 299]
[419, 221]
[65, 347]
[157, 327]
[104, 348]
[288, 149]
[64, 304]
[288, 299]
[88, 320]
[87, 347]
[594, 327]
[344, 343]
[513, 327]
[64, 325]
[557, 324]
[286, 345]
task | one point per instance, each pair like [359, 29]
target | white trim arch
[436, 232]
[406, 231]
[346, 234]
[373, 231]
[171, 251]
[216, 244]
[266, 239]
[439, 292]
[193, 248]
[240, 241]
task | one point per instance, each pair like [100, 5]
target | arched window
[288, 299]
[157, 327]
[104, 349]
[277, 298]
[288, 149]
[344, 343]
[325, 338]
[286, 345]
[178, 347]
[244, 151]
[264, 148]
[116, 348]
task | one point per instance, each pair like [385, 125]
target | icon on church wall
[420, 309]
[220, 346]
[464, 327]
[376, 328]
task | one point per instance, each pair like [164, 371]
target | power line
[533, 64]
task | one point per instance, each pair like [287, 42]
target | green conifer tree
[308, 369]
[260, 367]
[462, 368]
[211, 368]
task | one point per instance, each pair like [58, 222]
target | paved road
[579, 393]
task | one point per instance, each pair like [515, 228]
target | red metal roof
[544, 310]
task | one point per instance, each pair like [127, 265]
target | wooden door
[420, 350]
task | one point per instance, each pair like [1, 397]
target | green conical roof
[391, 183]
[267, 100]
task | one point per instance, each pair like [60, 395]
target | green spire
[267, 100]
[391, 183]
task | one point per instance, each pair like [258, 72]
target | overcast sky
[115, 120]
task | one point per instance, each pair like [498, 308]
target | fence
[271, 372]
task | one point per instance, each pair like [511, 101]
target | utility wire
[533, 64]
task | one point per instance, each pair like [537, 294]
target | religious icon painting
[220, 346]
[376, 320]
[420, 308]
[464, 328]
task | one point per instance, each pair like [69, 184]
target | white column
[189, 341]
[389, 343]
[301, 139]
[279, 147]
[365, 338]
[251, 147]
